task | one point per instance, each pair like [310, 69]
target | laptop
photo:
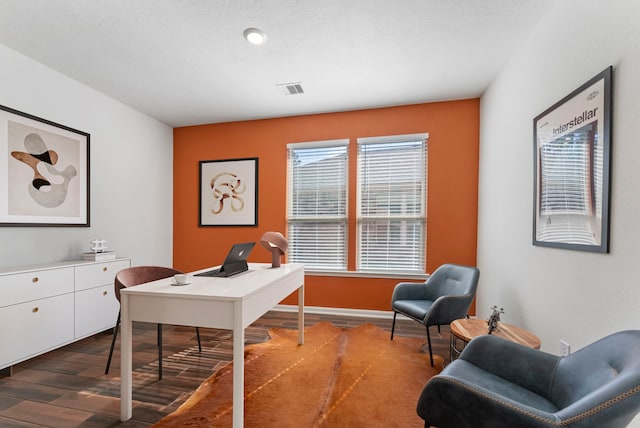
[235, 263]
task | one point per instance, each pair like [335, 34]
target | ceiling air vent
[292, 88]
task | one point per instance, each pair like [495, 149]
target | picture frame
[572, 167]
[228, 192]
[44, 172]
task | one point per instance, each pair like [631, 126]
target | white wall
[561, 294]
[558, 294]
[131, 186]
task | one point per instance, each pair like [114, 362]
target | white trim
[364, 313]
[404, 138]
[317, 144]
[319, 310]
[356, 274]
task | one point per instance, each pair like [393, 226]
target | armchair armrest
[529, 368]
[445, 309]
[409, 291]
[463, 396]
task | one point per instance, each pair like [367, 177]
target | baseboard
[7, 371]
[319, 310]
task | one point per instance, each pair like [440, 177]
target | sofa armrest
[529, 368]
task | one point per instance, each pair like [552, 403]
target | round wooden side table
[463, 330]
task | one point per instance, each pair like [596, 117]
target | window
[317, 204]
[392, 203]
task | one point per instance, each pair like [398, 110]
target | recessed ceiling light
[255, 36]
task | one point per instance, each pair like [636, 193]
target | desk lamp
[276, 244]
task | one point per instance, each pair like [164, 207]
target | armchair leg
[393, 326]
[198, 335]
[429, 342]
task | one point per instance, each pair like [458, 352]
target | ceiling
[185, 62]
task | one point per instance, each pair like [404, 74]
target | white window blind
[565, 177]
[569, 194]
[392, 182]
[317, 204]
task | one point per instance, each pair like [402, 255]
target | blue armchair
[446, 296]
[500, 384]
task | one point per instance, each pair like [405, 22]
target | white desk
[227, 303]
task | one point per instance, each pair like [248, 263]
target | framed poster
[229, 192]
[572, 156]
[44, 170]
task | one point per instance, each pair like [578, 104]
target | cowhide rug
[339, 378]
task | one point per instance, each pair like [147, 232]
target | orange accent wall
[452, 188]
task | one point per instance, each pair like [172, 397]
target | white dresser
[44, 307]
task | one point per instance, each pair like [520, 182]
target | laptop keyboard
[212, 272]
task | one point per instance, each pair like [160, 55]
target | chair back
[452, 288]
[139, 275]
[454, 280]
[604, 374]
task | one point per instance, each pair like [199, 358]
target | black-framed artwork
[44, 172]
[572, 163]
[228, 192]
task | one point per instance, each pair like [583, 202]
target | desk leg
[126, 408]
[301, 314]
[238, 367]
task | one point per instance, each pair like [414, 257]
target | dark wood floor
[67, 387]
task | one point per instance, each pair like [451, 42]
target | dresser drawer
[39, 284]
[29, 329]
[98, 274]
[96, 310]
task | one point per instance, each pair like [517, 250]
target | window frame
[349, 239]
[344, 219]
[418, 264]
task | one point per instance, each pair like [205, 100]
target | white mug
[180, 278]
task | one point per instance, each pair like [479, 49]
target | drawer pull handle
[34, 279]
[104, 269]
[34, 310]
[104, 293]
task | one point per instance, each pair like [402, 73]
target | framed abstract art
[44, 171]
[229, 192]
